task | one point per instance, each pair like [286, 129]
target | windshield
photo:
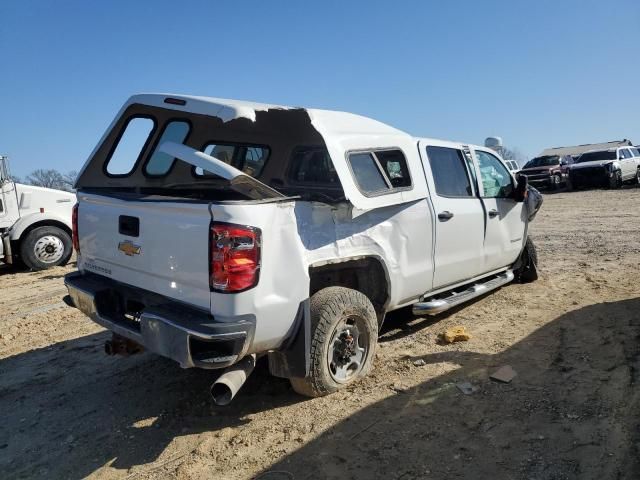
[544, 161]
[599, 155]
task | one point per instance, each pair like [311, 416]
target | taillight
[74, 229]
[235, 257]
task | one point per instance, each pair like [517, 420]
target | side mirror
[520, 192]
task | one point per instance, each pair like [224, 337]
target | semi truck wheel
[343, 341]
[45, 247]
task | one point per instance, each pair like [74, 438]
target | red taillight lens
[74, 229]
[235, 257]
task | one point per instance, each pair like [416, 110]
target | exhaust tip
[225, 388]
[221, 394]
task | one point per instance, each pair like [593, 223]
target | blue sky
[538, 73]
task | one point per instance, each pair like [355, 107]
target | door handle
[493, 213]
[444, 216]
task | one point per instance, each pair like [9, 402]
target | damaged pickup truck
[214, 231]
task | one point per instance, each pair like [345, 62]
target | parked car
[235, 229]
[35, 223]
[606, 168]
[548, 171]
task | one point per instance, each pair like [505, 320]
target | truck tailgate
[160, 246]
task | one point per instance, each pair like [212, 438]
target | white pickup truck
[213, 231]
[35, 223]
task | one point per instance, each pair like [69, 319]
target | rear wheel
[636, 180]
[527, 269]
[343, 342]
[45, 247]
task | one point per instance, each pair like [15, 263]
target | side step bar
[438, 305]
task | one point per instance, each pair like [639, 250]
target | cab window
[496, 179]
[312, 165]
[449, 172]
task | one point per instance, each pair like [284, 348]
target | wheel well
[42, 223]
[366, 275]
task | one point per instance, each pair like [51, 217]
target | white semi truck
[35, 223]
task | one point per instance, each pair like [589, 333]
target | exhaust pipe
[227, 385]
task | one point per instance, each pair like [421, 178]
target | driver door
[505, 219]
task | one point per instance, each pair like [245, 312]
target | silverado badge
[128, 248]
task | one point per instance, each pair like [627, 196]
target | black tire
[45, 247]
[555, 183]
[636, 180]
[615, 182]
[569, 184]
[527, 265]
[332, 309]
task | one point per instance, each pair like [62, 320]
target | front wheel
[344, 335]
[636, 180]
[526, 270]
[616, 180]
[46, 247]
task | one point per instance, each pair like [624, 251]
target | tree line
[49, 178]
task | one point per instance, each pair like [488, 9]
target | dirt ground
[572, 412]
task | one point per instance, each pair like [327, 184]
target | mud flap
[293, 359]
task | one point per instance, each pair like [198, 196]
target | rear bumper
[190, 336]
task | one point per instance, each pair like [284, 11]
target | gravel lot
[572, 412]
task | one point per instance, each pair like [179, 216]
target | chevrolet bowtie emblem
[128, 248]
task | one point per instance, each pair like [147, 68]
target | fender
[25, 222]
[368, 256]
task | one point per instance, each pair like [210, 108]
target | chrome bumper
[187, 335]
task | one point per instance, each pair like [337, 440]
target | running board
[438, 305]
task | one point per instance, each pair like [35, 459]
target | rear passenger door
[459, 218]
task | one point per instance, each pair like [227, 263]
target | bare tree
[51, 178]
[512, 154]
[45, 178]
[69, 179]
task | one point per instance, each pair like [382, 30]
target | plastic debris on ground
[467, 388]
[504, 374]
[454, 334]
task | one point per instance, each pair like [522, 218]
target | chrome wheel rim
[48, 249]
[348, 349]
